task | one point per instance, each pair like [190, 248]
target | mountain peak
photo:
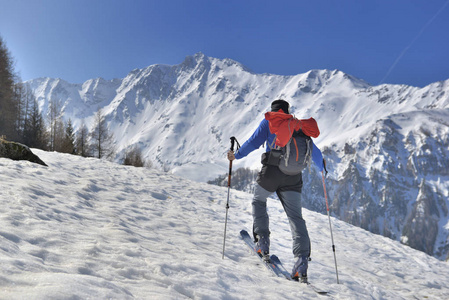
[200, 55]
[192, 60]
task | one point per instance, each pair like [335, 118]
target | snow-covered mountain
[387, 146]
[83, 228]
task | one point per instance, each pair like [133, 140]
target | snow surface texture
[90, 229]
[387, 146]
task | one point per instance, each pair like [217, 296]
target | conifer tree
[68, 142]
[8, 105]
[35, 134]
[26, 100]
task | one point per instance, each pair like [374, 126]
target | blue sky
[380, 41]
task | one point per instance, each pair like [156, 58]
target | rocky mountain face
[387, 146]
[405, 197]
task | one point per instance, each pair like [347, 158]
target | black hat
[280, 104]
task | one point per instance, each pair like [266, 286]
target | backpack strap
[309, 151]
[287, 152]
[272, 145]
[297, 150]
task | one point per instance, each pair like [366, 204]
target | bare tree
[133, 157]
[56, 125]
[101, 140]
[81, 141]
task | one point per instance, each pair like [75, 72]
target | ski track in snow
[91, 229]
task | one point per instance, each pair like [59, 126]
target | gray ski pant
[291, 201]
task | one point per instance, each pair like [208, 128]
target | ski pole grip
[232, 143]
[230, 162]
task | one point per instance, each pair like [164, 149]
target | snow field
[91, 229]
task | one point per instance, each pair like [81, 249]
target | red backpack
[292, 147]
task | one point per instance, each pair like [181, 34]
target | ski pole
[330, 226]
[233, 139]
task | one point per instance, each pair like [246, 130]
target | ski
[276, 261]
[265, 261]
[273, 263]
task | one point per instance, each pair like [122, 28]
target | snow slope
[91, 229]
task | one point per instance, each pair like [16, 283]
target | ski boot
[299, 272]
[263, 247]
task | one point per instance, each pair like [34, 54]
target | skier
[287, 187]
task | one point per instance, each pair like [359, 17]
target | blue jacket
[262, 135]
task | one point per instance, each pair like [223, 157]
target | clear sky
[380, 41]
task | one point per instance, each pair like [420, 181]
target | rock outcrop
[16, 151]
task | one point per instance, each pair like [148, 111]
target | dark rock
[16, 151]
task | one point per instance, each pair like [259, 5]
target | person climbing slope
[289, 150]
